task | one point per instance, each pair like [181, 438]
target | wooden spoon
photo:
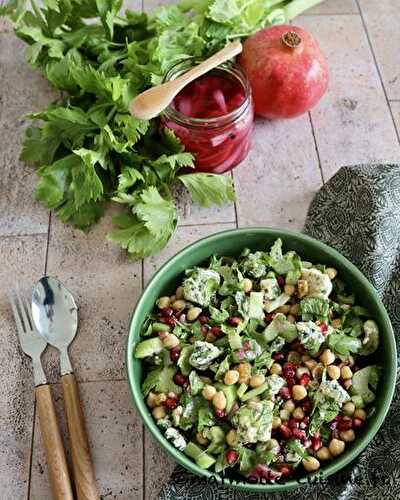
[152, 101]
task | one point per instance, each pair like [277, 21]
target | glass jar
[218, 138]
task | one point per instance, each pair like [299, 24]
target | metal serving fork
[33, 345]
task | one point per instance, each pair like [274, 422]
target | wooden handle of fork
[53, 446]
[85, 480]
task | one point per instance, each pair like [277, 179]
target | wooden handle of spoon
[85, 480]
[53, 446]
[152, 101]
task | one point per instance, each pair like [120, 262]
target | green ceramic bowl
[232, 242]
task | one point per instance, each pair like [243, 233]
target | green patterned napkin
[358, 213]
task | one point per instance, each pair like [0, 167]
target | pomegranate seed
[285, 393]
[231, 456]
[298, 434]
[307, 443]
[269, 317]
[334, 425]
[180, 379]
[345, 424]
[216, 330]
[167, 311]
[285, 431]
[278, 356]
[246, 345]
[306, 405]
[323, 327]
[291, 381]
[171, 403]
[203, 319]
[293, 423]
[297, 346]
[335, 434]
[289, 370]
[316, 443]
[220, 414]
[174, 354]
[285, 470]
[358, 423]
[182, 318]
[171, 321]
[306, 420]
[234, 320]
[281, 281]
[204, 330]
[305, 379]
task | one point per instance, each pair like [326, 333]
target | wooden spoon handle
[53, 446]
[85, 481]
[229, 51]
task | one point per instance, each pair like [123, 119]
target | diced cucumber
[148, 347]
[230, 394]
[160, 327]
[242, 389]
[255, 392]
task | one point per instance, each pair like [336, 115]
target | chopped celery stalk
[205, 461]
[255, 392]
[148, 347]
[234, 341]
[193, 450]
[160, 327]
[242, 389]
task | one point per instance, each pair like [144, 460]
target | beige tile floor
[356, 122]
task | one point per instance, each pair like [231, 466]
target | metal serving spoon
[55, 315]
[152, 101]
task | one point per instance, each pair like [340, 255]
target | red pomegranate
[287, 71]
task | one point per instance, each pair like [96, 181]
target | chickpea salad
[260, 365]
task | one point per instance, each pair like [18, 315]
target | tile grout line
[23, 235]
[378, 69]
[327, 14]
[316, 148]
[209, 223]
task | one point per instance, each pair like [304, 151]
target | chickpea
[276, 422]
[301, 370]
[294, 309]
[179, 292]
[336, 323]
[201, 439]
[336, 447]
[349, 408]
[305, 358]
[289, 405]
[158, 412]
[284, 415]
[317, 371]
[219, 400]
[311, 464]
[302, 288]
[291, 318]
[298, 413]
[160, 398]
[178, 305]
[299, 392]
[294, 357]
[244, 370]
[170, 341]
[193, 313]
[346, 372]
[289, 289]
[360, 413]
[247, 285]
[327, 357]
[331, 272]
[351, 361]
[210, 337]
[283, 309]
[333, 372]
[151, 400]
[172, 298]
[231, 438]
[163, 302]
[276, 369]
[257, 380]
[347, 436]
[209, 392]
[310, 364]
[324, 453]
[231, 377]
